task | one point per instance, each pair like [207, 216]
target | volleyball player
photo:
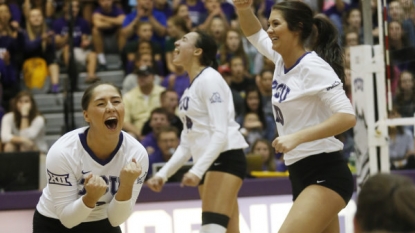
[309, 106]
[210, 136]
[95, 173]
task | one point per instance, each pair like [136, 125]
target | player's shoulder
[132, 144]
[209, 76]
[316, 68]
[67, 141]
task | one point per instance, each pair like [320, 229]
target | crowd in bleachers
[35, 51]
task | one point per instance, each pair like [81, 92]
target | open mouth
[111, 123]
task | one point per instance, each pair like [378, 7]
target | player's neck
[194, 71]
[290, 57]
[102, 145]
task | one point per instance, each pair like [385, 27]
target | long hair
[225, 53]
[400, 94]
[31, 31]
[33, 113]
[180, 23]
[324, 39]
[386, 203]
[209, 48]
[270, 162]
[6, 25]
[259, 111]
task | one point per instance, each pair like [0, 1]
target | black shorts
[43, 224]
[231, 161]
[326, 169]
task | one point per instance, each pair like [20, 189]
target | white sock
[101, 59]
[212, 228]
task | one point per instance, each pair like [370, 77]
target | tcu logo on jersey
[184, 103]
[280, 90]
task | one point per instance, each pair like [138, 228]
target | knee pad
[215, 218]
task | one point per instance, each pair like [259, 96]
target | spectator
[16, 13]
[251, 128]
[213, 10]
[10, 40]
[169, 102]
[397, 38]
[140, 101]
[405, 97]
[167, 142]
[264, 148]
[231, 47]
[196, 10]
[386, 204]
[407, 7]
[238, 100]
[23, 129]
[264, 83]
[178, 81]
[239, 80]
[351, 37]
[335, 14]
[253, 104]
[182, 11]
[39, 42]
[158, 119]
[176, 29]
[45, 6]
[262, 8]
[81, 40]
[144, 12]
[164, 7]
[396, 13]
[217, 29]
[144, 34]
[354, 22]
[107, 20]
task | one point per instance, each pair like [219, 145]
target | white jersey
[303, 96]
[208, 115]
[69, 160]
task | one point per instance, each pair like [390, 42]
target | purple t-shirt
[196, 11]
[181, 83]
[15, 12]
[81, 27]
[115, 12]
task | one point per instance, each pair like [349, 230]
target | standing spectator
[310, 83]
[23, 129]
[196, 10]
[45, 6]
[182, 11]
[39, 42]
[140, 101]
[81, 40]
[145, 12]
[107, 20]
[95, 172]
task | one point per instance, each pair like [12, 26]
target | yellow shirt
[139, 106]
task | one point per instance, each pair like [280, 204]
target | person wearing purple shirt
[213, 10]
[81, 40]
[196, 10]
[145, 12]
[164, 7]
[16, 13]
[177, 81]
[107, 20]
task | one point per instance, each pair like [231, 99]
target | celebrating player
[95, 173]
[309, 106]
[210, 135]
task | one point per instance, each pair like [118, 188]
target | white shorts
[79, 53]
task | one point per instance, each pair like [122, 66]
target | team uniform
[303, 96]
[61, 209]
[210, 134]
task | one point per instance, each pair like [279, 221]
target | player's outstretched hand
[190, 179]
[155, 183]
[95, 188]
[130, 173]
[242, 4]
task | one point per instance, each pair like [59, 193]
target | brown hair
[86, 98]
[33, 113]
[270, 163]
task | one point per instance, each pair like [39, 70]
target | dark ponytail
[210, 49]
[326, 44]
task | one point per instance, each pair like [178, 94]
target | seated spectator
[264, 148]
[351, 38]
[238, 100]
[16, 13]
[140, 101]
[23, 129]
[353, 22]
[386, 203]
[45, 6]
[176, 29]
[262, 8]
[239, 80]
[251, 128]
[178, 81]
[164, 7]
[335, 14]
[39, 43]
[253, 104]
[232, 47]
[10, 40]
[182, 11]
[169, 102]
[264, 83]
[401, 146]
[107, 20]
[144, 12]
[196, 9]
[397, 14]
[144, 33]
[213, 10]
[217, 29]
[397, 38]
[167, 142]
[81, 40]
[405, 96]
[158, 119]
[141, 60]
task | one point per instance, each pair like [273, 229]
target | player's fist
[95, 187]
[155, 183]
[130, 173]
[242, 4]
[190, 179]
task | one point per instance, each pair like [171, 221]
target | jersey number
[279, 118]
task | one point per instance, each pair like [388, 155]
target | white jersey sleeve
[263, 43]
[70, 209]
[216, 99]
[119, 211]
[180, 156]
